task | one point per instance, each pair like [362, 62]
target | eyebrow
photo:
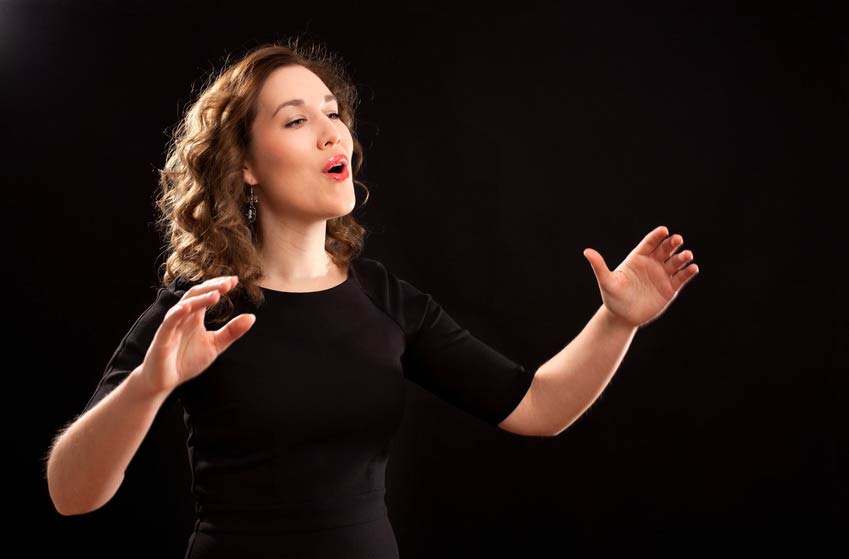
[327, 98]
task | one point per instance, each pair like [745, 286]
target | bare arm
[567, 384]
[637, 292]
[87, 460]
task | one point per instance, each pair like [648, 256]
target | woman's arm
[566, 385]
[87, 461]
[637, 292]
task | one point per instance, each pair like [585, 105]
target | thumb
[598, 264]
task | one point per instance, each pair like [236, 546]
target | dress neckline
[306, 294]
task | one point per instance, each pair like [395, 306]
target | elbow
[559, 430]
[53, 485]
[62, 503]
[70, 503]
[70, 512]
[547, 434]
[68, 506]
[60, 508]
[65, 499]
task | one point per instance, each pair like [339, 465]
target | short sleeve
[448, 360]
[133, 347]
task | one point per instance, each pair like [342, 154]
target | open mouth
[338, 172]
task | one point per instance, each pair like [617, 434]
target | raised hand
[648, 280]
[182, 347]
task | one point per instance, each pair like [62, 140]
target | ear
[248, 175]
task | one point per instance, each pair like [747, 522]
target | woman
[288, 350]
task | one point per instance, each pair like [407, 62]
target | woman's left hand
[647, 281]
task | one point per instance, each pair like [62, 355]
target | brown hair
[203, 198]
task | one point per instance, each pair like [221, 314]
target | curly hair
[203, 197]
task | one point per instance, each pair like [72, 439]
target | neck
[291, 254]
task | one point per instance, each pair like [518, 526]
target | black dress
[289, 428]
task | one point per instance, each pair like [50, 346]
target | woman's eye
[292, 123]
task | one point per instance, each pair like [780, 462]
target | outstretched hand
[182, 347]
[647, 281]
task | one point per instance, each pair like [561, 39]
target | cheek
[277, 154]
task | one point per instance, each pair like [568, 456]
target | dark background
[499, 143]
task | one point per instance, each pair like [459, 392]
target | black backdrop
[499, 143]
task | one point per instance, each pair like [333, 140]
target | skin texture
[288, 152]
[87, 460]
[642, 287]
[289, 149]
[637, 292]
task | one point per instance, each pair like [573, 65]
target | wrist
[615, 321]
[139, 385]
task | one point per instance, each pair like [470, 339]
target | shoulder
[397, 297]
[177, 287]
[142, 330]
[376, 276]
[168, 296]
[368, 268]
[361, 263]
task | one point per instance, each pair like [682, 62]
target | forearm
[568, 383]
[87, 461]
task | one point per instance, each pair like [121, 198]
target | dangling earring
[252, 200]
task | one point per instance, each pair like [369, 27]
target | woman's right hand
[182, 347]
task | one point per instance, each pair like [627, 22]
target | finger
[173, 318]
[652, 240]
[677, 261]
[597, 263]
[232, 331]
[202, 301]
[683, 276]
[668, 247]
[180, 312]
[220, 283]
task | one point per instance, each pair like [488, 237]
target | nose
[330, 135]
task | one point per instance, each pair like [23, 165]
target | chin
[348, 204]
[340, 210]
[340, 203]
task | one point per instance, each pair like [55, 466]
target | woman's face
[291, 146]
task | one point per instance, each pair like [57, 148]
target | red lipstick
[341, 164]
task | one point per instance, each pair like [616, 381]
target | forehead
[290, 82]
